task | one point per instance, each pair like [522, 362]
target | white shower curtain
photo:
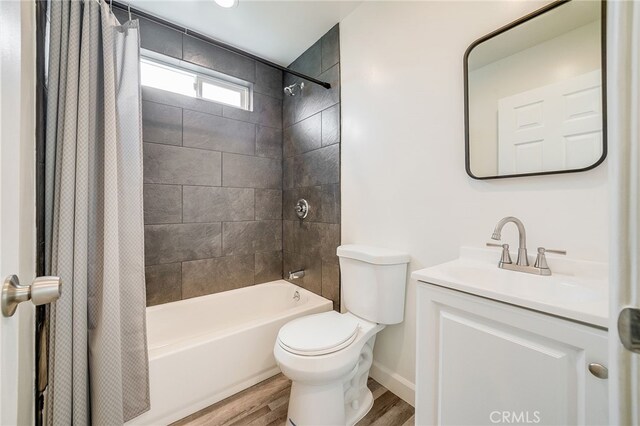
[623, 112]
[94, 236]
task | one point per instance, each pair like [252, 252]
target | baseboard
[394, 382]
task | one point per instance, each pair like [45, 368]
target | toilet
[327, 356]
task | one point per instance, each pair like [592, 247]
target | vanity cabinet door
[482, 362]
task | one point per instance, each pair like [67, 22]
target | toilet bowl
[327, 356]
[329, 374]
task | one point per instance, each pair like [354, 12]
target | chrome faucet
[522, 263]
[522, 260]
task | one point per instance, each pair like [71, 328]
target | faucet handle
[541, 259]
[497, 245]
[542, 250]
[506, 257]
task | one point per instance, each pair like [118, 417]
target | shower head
[295, 87]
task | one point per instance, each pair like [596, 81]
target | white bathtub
[205, 349]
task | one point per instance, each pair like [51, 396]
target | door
[17, 205]
[553, 127]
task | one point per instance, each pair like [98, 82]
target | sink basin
[558, 287]
[574, 293]
[577, 291]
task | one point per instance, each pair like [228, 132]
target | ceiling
[554, 23]
[276, 30]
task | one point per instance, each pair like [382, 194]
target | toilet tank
[373, 282]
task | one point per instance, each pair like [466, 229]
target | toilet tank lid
[374, 255]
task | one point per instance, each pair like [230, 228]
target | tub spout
[296, 274]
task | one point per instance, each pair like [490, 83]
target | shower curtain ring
[129, 10]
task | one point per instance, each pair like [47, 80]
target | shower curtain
[623, 99]
[98, 365]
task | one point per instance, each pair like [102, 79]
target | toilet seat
[318, 334]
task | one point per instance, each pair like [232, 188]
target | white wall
[403, 180]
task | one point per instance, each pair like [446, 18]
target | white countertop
[577, 289]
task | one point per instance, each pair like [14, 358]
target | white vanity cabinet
[484, 362]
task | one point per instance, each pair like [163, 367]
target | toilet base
[336, 403]
[324, 405]
[355, 415]
[311, 405]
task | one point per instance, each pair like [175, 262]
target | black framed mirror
[535, 94]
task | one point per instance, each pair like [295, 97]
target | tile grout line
[210, 150]
[181, 126]
[225, 221]
[312, 150]
[309, 116]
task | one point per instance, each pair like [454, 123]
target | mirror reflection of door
[554, 127]
[534, 94]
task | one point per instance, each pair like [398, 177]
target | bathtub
[205, 349]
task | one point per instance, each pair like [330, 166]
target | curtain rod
[215, 42]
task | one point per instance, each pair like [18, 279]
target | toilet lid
[318, 334]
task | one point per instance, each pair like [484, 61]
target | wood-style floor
[266, 404]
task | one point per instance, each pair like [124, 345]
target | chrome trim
[302, 208]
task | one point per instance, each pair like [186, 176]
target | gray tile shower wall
[311, 170]
[212, 178]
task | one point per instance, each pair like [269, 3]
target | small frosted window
[218, 93]
[194, 81]
[163, 77]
